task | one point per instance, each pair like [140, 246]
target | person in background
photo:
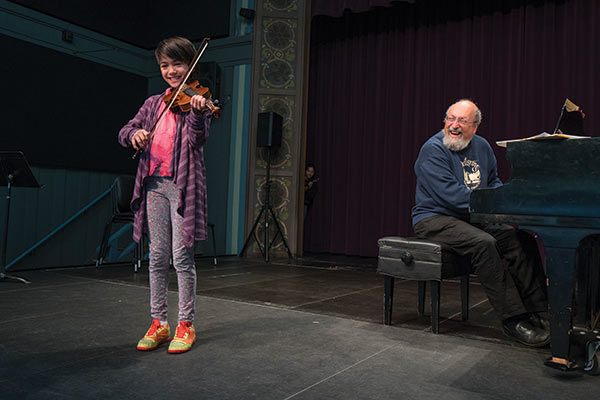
[310, 187]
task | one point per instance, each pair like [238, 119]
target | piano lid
[548, 177]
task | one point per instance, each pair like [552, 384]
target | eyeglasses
[461, 121]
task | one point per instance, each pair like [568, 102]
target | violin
[307, 186]
[185, 95]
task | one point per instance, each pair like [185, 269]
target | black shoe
[524, 333]
[540, 320]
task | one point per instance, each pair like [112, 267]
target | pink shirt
[161, 151]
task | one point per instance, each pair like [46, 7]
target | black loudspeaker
[268, 132]
[208, 75]
[247, 13]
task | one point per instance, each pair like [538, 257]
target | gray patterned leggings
[165, 231]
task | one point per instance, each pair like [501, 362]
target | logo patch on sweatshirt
[471, 173]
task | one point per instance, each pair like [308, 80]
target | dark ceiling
[142, 23]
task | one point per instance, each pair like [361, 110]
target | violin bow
[183, 82]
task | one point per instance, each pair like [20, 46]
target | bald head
[461, 123]
[477, 117]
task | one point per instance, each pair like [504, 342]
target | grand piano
[554, 191]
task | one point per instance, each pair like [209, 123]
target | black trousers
[505, 260]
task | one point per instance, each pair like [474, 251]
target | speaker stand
[265, 211]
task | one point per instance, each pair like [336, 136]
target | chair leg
[422, 285]
[214, 243]
[139, 254]
[435, 306]
[464, 296]
[103, 244]
[136, 251]
[388, 299]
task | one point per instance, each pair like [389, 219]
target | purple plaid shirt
[187, 165]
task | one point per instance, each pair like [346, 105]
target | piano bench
[421, 260]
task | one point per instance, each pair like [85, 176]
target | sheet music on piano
[541, 136]
[568, 126]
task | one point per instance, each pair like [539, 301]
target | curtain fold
[380, 82]
[336, 8]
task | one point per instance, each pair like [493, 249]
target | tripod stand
[266, 210]
[15, 172]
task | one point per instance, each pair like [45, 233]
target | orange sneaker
[156, 335]
[185, 337]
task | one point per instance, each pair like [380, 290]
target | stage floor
[307, 330]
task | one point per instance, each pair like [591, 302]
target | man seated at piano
[451, 164]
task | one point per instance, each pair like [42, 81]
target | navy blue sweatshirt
[445, 179]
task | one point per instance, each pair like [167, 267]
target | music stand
[570, 120]
[14, 171]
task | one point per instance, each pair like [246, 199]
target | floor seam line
[41, 287]
[340, 372]
[334, 297]
[274, 307]
[34, 317]
[252, 283]
[460, 312]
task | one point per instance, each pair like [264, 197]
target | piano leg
[572, 348]
[592, 366]
[559, 268]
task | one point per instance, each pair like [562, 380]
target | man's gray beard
[455, 144]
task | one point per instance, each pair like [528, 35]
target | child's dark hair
[310, 165]
[177, 48]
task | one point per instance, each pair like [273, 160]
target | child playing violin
[169, 196]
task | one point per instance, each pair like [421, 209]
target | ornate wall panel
[278, 56]
[279, 68]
